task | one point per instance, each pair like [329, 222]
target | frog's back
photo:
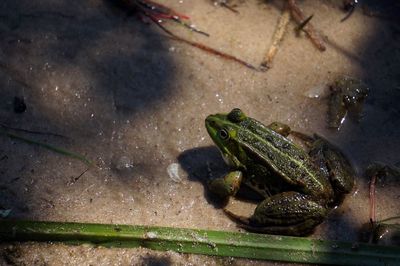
[282, 156]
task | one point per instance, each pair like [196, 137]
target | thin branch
[276, 39]
[47, 146]
[299, 17]
[33, 131]
[205, 47]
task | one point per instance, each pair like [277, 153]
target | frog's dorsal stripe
[287, 162]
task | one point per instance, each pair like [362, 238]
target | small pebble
[173, 172]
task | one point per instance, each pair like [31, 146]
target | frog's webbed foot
[288, 213]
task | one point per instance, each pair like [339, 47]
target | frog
[297, 188]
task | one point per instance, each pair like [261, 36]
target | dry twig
[276, 39]
[299, 17]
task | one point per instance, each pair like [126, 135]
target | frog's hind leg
[339, 169]
[288, 213]
[332, 162]
[300, 229]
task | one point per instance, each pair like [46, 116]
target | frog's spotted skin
[297, 188]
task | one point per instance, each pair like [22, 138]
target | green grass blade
[47, 146]
[208, 242]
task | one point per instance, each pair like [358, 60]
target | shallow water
[134, 101]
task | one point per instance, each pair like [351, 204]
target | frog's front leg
[287, 213]
[227, 185]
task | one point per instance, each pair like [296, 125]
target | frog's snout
[215, 123]
[210, 120]
[210, 124]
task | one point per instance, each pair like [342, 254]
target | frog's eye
[223, 134]
[236, 115]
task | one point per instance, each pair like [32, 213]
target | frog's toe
[237, 218]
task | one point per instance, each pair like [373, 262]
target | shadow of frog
[205, 164]
[202, 165]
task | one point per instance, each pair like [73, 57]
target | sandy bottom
[134, 101]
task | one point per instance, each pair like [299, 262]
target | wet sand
[134, 101]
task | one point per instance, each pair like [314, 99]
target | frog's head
[223, 129]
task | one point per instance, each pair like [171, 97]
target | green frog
[297, 188]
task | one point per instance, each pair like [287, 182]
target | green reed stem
[208, 242]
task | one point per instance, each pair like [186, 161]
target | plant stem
[208, 242]
[48, 146]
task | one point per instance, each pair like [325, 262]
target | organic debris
[32, 131]
[347, 96]
[349, 6]
[47, 146]
[276, 39]
[308, 28]
[386, 233]
[224, 3]
[291, 10]
[157, 13]
[381, 230]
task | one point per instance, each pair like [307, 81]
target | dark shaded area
[10, 255]
[101, 53]
[128, 81]
[19, 105]
[156, 261]
[202, 165]
[387, 9]
[375, 137]
[386, 230]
